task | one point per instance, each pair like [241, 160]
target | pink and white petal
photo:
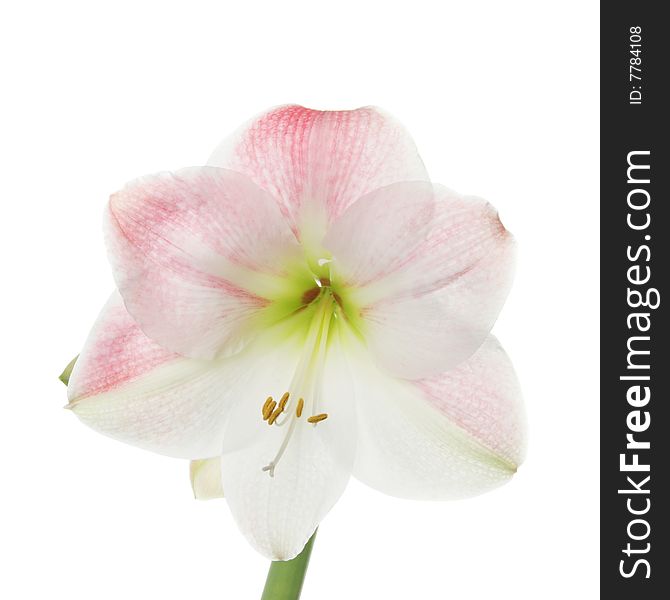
[452, 436]
[379, 232]
[206, 478]
[466, 234]
[441, 302]
[279, 513]
[318, 162]
[127, 387]
[194, 254]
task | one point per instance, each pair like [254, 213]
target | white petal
[279, 514]
[435, 304]
[127, 387]
[455, 435]
[206, 478]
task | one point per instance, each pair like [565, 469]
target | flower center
[305, 389]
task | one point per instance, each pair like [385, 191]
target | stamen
[268, 407]
[307, 380]
[273, 417]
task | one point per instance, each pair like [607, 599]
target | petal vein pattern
[317, 163]
[428, 288]
[454, 435]
[197, 256]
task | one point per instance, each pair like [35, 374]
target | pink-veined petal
[454, 435]
[278, 514]
[430, 301]
[316, 163]
[380, 231]
[194, 253]
[127, 387]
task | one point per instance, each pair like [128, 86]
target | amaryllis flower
[307, 307]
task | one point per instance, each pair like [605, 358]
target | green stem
[285, 578]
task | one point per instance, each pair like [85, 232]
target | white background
[502, 100]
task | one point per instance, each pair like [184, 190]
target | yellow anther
[283, 400]
[298, 409]
[268, 407]
[317, 418]
[273, 417]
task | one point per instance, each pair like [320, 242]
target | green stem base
[285, 578]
